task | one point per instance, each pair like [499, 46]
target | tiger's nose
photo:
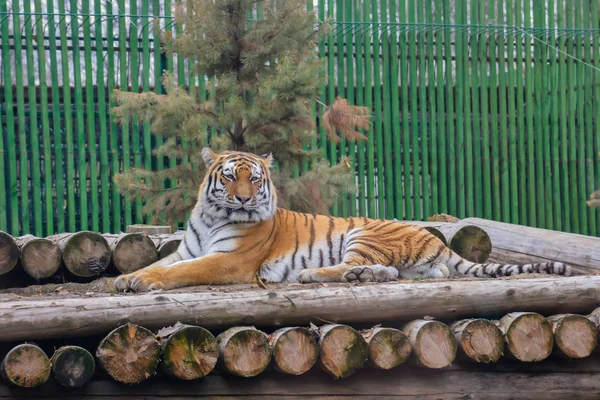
[243, 199]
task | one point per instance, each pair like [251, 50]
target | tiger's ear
[268, 159]
[208, 156]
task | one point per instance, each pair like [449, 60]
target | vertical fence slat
[485, 120]
[529, 109]
[495, 140]
[595, 130]
[350, 95]
[512, 126]
[589, 118]
[579, 84]
[360, 101]
[441, 156]
[450, 118]
[405, 101]
[399, 194]
[432, 129]
[460, 49]
[368, 93]
[540, 123]
[504, 192]
[387, 116]
[414, 116]
[342, 202]
[546, 128]
[136, 133]
[378, 118]
[467, 149]
[423, 175]
[475, 39]
[554, 125]
[521, 131]
[13, 191]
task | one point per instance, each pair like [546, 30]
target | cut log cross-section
[168, 247]
[85, 254]
[528, 335]
[73, 366]
[243, 351]
[133, 251]
[433, 343]
[295, 350]
[575, 336]
[342, 350]
[9, 253]
[130, 353]
[189, 352]
[40, 258]
[388, 347]
[26, 365]
[479, 339]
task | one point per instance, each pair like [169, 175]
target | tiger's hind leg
[428, 270]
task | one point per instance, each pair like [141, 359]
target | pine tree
[266, 74]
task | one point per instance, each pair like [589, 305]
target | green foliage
[266, 73]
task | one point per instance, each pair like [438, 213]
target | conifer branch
[346, 119]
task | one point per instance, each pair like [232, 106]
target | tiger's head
[237, 187]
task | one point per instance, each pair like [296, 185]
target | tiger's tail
[456, 263]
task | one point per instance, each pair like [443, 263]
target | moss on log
[243, 351]
[433, 343]
[73, 366]
[528, 335]
[479, 339]
[130, 353]
[295, 350]
[342, 350]
[388, 347]
[26, 365]
[189, 352]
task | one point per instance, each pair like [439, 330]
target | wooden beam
[295, 304]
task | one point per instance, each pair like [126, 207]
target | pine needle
[346, 119]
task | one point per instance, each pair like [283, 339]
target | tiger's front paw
[370, 273]
[143, 280]
[307, 276]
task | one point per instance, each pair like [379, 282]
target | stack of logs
[88, 254]
[130, 353]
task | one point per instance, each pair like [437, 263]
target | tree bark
[73, 366]
[189, 352]
[575, 336]
[36, 317]
[168, 247]
[528, 336]
[85, 254]
[342, 350]
[149, 229]
[130, 353]
[388, 347]
[40, 258]
[295, 350]
[9, 253]
[479, 339]
[526, 245]
[26, 365]
[132, 251]
[467, 240]
[433, 343]
[243, 351]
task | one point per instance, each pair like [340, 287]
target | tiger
[237, 234]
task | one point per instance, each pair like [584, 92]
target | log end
[295, 351]
[576, 336]
[244, 351]
[168, 248]
[9, 253]
[529, 337]
[435, 346]
[189, 353]
[343, 351]
[26, 365]
[73, 366]
[86, 254]
[40, 258]
[129, 354]
[134, 251]
[388, 347]
[436, 232]
[482, 341]
[472, 243]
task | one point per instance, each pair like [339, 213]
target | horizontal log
[295, 304]
[524, 245]
[9, 253]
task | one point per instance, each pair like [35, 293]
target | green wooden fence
[483, 108]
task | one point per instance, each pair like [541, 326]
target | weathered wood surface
[85, 253]
[295, 350]
[528, 336]
[130, 353]
[189, 352]
[388, 347]
[149, 229]
[433, 343]
[132, 251]
[522, 244]
[9, 253]
[73, 366]
[342, 350]
[168, 247]
[40, 258]
[25, 319]
[575, 336]
[520, 381]
[243, 351]
[479, 339]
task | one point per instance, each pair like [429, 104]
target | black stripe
[320, 258]
[214, 231]
[294, 214]
[395, 230]
[188, 248]
[303, 262]
[311, 239]
[371, 246]
[286, 273]
[191, 225]
[439, 251]
[330, 242]
[228, 238]
[423, 248]
[341, 245]
[294, 255]
[255, 245]
[305, 219]
[362, 254]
